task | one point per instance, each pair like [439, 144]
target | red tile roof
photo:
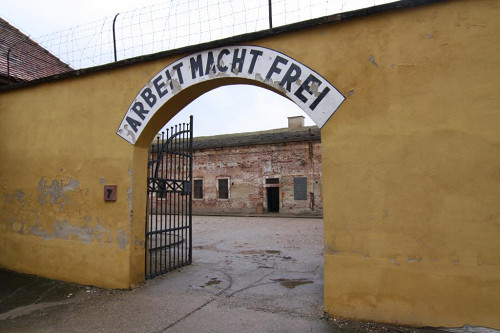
[26, 59]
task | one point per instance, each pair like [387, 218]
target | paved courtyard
[249, 274]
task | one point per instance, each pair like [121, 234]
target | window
[272, 180]
[198, 189]
[223, 187]
[300, 188]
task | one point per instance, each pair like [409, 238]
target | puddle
[260, 252]
[292, 283]
[205, 247]
[211, 282]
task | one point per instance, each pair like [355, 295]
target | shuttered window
[300, 188]
[198, 189]
[223, 188]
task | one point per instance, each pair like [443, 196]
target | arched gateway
[233, 64]
[207, 69]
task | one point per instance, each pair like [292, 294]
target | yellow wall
[411, 167]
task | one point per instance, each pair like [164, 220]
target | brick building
[275, 171]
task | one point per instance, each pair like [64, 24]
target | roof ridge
[256, 133]
[282, 135]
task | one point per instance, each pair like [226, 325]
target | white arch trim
[310, 91]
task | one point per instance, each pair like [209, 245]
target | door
[273, 199]
[169, 204]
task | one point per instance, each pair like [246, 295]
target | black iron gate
[169, 210]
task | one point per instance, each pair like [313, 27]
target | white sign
[314, 94]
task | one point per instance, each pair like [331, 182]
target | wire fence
[176, 23]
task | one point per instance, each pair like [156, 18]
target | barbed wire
[176, 23]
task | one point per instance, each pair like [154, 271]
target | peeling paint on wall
[394, 261]
[11, 197]
[414, 259]
[130, 195]
[55, 192]
[42, 211]
[372, 60]
[122, 239]
[139, 242]
[15, 206]
[17, 226]
[63, 230]
[330, 249]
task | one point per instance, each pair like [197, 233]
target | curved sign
[314, 94]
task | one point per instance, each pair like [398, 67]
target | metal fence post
[270, 15]
[114, 34]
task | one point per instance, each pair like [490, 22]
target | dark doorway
[273, 199]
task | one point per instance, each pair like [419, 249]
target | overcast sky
[229, 109]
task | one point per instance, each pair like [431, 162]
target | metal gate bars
[169, 210]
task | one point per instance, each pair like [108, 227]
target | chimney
[295, 122]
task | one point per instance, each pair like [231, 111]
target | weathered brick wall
[247, 169]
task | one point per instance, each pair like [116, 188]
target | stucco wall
[411, 167]
[55, 161]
